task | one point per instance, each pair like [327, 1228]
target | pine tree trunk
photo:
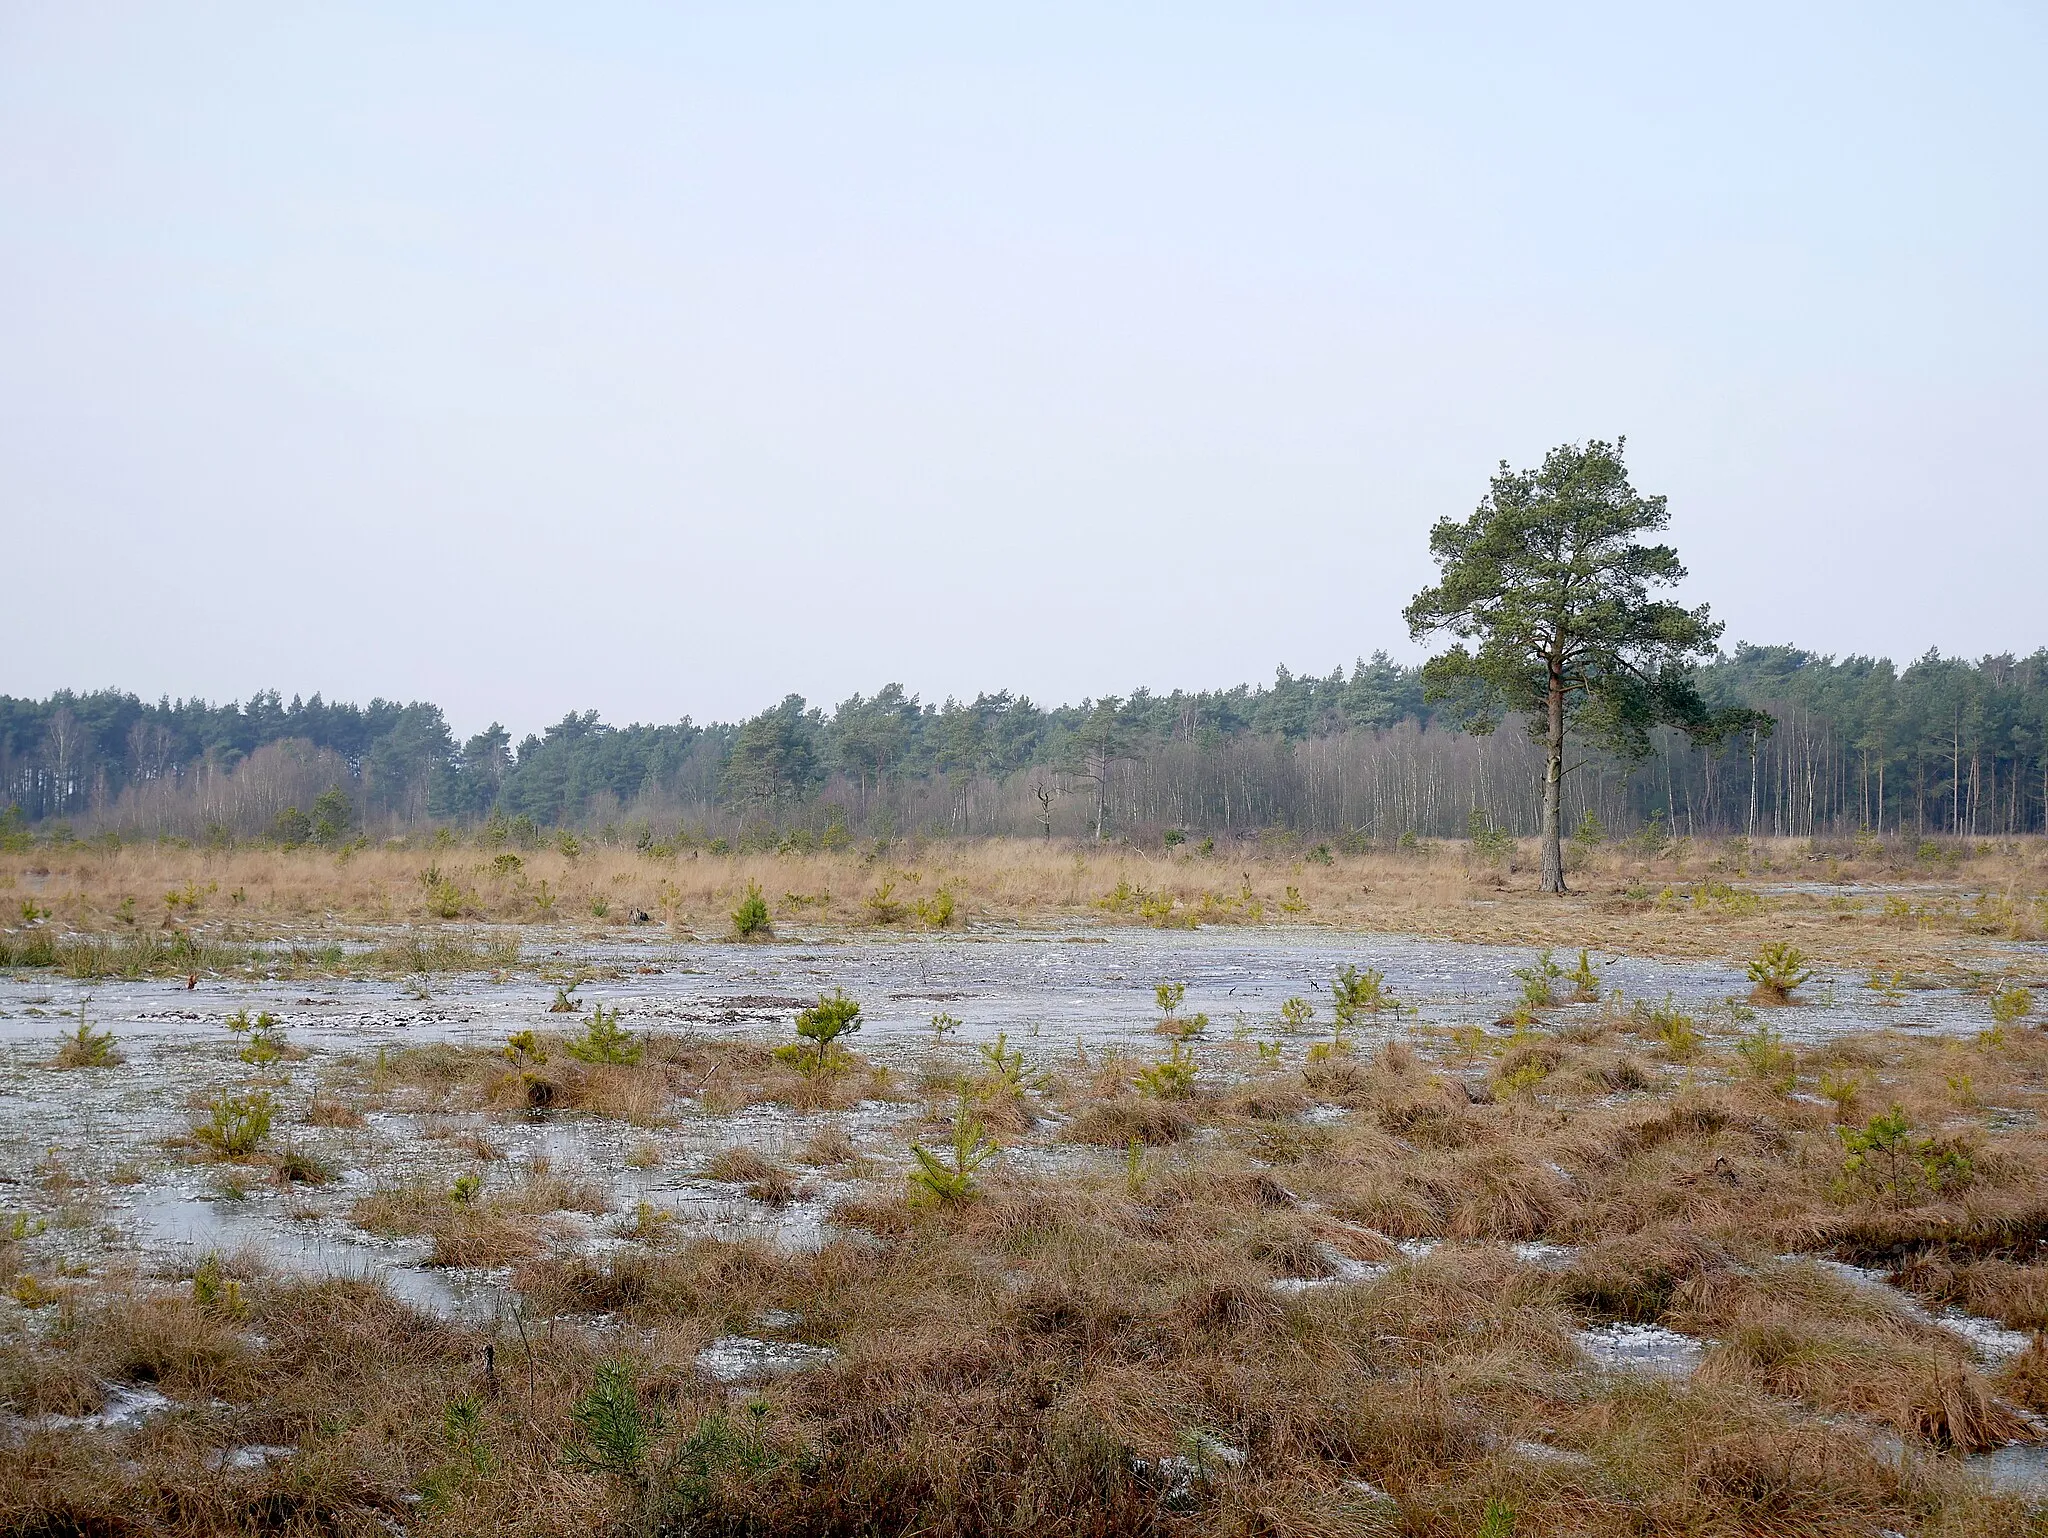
[1553, 788]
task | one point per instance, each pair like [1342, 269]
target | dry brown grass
[497, 1224]
[1034, 1359]
[1620, 900]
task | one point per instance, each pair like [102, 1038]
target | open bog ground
[436, 1192]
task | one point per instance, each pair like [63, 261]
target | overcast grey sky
[663, 360]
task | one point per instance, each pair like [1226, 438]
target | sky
[664, 360]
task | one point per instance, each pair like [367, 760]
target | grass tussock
[480, 1221]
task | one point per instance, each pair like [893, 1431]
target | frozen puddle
[192, 1228]
[256, 1455]
[126, 1406]
[1642, 1348]
[2021, 1468]
[1987, 1338]
[743, 1359]
[1344, 1272]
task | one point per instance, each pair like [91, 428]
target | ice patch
[1642, 1348]
[254, 1456]
[2021, 1468]
[1344, 1272]
[127, 1406]
[743, 1359]
[1987, 1338]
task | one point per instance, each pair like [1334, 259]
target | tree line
[1941, 746]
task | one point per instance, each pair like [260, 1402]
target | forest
[1943, 746]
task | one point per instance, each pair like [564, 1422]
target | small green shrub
[215, 1292]
[1354, 993]
[1779, 968]
[1490, 841]
[943, 1025]
[610, 1428]
[265, 1044]
[1883, 1158]
[467, 1188]
[936, 911]
[236, 1125]
[1006, 1076]
[1296, 1013]
[1769, 1060]
[604, 1041]
[1842, 1091]
[1668, 1024]
[750, 920]
[1172, 1077]
[86, 1047]
[1539, 980]
[525, 1049]
[818, 1031]
[2010, 1006]
[935, 1182]
[1585, 979]
[720, 1452]
[883, 908]
[1167, 997]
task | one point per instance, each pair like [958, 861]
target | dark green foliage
[1914, 749]
[612, 1427]
[1549, 580]
[604, 1040]
[1883, 1158]
[819, 1029]
[750, 919]
[721, 1451]
[775, 756]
